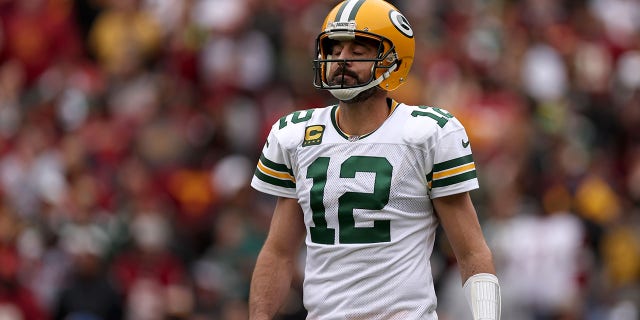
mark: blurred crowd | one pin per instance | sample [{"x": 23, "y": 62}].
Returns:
[{"x": 130, "y": 129}]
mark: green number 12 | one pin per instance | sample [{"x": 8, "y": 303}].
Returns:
[{"x": 347, "y": 202}]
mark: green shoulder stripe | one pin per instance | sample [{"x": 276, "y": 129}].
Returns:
[
  {"x": 453, "y": 163},
  {"x": 454, "y": 179},
  {"x": 274, "y": 166}
]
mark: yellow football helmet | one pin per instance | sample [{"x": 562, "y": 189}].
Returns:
[{"x": 371, "y": 19}]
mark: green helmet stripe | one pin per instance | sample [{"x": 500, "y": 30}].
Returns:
[
  {"x": 340, "y": 11},
  {"x": 348, "y": 10},
  {"x": 355, "y": 9}
]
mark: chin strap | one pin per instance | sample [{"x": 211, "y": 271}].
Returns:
[
  {"x": 346, "y": 94},
  {"x": 482, "y": 291}
]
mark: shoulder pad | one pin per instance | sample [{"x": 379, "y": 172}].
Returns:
[
  {"x": 289, "y": 129},
  {"x": 425, "y": 123}
]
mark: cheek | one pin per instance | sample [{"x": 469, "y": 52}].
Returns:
[
  {"x": 332, "y": 66},
  {"x": 364, "y": 71}
]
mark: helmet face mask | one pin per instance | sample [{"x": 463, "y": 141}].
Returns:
[
  {"x": 372, "y": 21},
  {"x": 381, "y": 63}
]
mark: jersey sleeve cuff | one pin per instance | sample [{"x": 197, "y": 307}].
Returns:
[{"x": 273, "y": 190}]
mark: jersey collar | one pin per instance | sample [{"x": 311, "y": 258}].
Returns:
[{"x": 352, "y": 138}]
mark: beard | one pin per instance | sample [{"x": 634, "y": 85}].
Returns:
[{"x": 338, "y": 79}]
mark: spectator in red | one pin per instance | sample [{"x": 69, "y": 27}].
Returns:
[
  {"x": 153, "y": 279},
  {"x": 36, "y": 33},
  {"x": 16, "y": 301}
]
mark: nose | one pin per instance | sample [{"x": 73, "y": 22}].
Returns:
[{"x": 344, "y": 60}]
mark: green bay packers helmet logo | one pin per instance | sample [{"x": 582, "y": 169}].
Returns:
[
  {"x": 401, "y": 23},
  {"x": 313, "y": 135}
]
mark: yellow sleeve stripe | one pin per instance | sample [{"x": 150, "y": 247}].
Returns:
[
  {"x": 454, "y": 171},
  {"x": 275, "y": 174}
]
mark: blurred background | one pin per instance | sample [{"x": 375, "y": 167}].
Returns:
[{"x": 130, "y": 129}]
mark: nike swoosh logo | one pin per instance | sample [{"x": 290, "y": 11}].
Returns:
[{"x": 465, "y": 144}]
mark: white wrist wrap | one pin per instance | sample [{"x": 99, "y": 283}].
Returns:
[{"x": 483, "y": 295}]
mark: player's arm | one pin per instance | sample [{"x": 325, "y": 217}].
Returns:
[
  {"x": 460, "y": 222},
  {"x": 276, "y": 262}
]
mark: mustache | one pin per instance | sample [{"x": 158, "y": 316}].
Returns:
[{"x": 342, "y": 71}]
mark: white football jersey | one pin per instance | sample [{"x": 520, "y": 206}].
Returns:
[{"x": 367, "y": 205}]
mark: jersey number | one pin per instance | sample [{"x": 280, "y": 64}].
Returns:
[
  {"x": 347, "y": 202},
  {"x": 440, "y": 116}
]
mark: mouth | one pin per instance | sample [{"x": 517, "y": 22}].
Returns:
[{"x": 345, "y": 77}]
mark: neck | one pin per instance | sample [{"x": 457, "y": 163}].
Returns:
[{"x": 363, "y": 117}]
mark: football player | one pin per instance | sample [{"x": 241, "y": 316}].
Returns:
[{"x": 365, "y": 183}]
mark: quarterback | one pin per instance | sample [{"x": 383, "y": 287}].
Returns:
[{"x": 365, "y": 183}]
